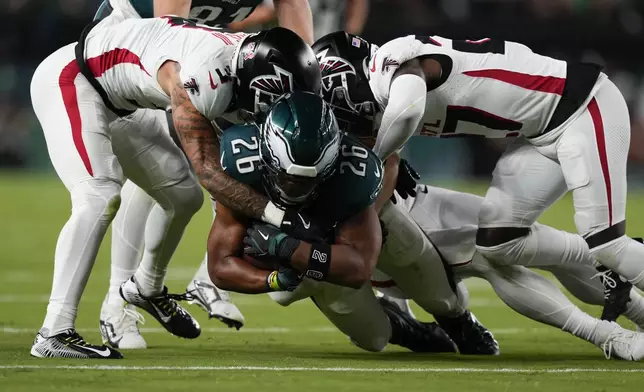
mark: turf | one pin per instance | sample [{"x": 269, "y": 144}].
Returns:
[{"x": 283, "y": 349}]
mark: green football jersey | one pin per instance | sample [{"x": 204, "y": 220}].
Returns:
[
  {"x": 208, "y": 12},
  {"x": 353, "y": 187}
]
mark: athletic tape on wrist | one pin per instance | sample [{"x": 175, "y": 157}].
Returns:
[
  {"x": 273, "y": 215},
  {"x": 319, "y": 261}
]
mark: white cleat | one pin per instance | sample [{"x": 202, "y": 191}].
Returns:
[
  {"x": 217, "y": 303},
  {"x": 624, "y": 344},
  {"x": 119, "y": 325}
]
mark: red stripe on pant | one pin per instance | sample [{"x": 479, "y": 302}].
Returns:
[
  {"x": 600, "y": 137},
  {"x": 70, "y": 99}
]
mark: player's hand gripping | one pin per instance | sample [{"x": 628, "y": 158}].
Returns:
[
  {"x": 263, "y": 239},
  {"x": 406, "y": 184}
]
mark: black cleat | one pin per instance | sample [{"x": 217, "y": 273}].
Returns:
[
  {"x": 471, "y": 337},
  {"x": 69, "y": 344},
  {"x": 417, "y": 336},
  {"x": 174, "y": 318},
  {"x": 617, "y": 293}
]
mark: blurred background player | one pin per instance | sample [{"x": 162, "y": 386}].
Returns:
[{"x": 118, "y": 321}]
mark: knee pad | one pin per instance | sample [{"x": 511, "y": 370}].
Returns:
[
  {"x": 98, "y": 197},
  {"x": 184, "y": 198}
]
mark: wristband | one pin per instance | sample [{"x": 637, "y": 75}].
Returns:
[
  {"x": 319, "y": 261},
  {"x": 273, "y": 215},
  {"x": 272, "y": 283}
]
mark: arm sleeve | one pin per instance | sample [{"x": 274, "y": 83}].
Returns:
[
  {"x": 207, "y": 84},
  {"x": 404, "y": 111}
]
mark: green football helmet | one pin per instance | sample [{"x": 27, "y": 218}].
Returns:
[{"x": 299, "y": 147}]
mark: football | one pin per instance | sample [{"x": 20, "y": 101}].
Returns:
[{"x": 267, "y": 263}]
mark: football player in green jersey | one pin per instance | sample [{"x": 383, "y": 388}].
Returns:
[{"x": 298, "y": 157}]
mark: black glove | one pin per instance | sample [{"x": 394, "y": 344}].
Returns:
[
  {"x": 406, "y": 184},
  {"x": 300, "y": 226},
  {"x": 284, "y": 279},
  {"x": 263, "y": 239}
]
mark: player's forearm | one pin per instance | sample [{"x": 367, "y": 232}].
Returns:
[
  {"x": 407, "y": 97},
  {"x": 201, "y": 145},
  {"x": 234, "y": 274},
  {"x": 356, "y": 16},
  {"x": 261, "y": 15},
  {"x": 346, "y": 265},
  {"x": 172, "y": 7},
  {"x": 296, "y": 15}
]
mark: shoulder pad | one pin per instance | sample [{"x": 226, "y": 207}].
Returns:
[
  {"x": 386, "y": 61},
  {"x": 208, "y": 84},
  {"x": 356, "y": 182}
]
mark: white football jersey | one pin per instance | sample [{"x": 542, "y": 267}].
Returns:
[
  {"x": 489, "y": 87},
  {"x": 125, "y": 58}
]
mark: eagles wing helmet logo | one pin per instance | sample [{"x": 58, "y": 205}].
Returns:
[
  {"x": 332, "y": 66},
  {"x": 191, "y": 86}
]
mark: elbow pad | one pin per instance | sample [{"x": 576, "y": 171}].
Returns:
[{"x": 405, "y": 109}]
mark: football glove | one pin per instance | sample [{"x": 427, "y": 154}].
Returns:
[
  {"x": 284, "y": 279},
  {"x": 406, "y": 184},
  {"x": 263, "y": 239},
  {"x": 298, "y": 225}
]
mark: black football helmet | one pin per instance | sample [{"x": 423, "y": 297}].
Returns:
[
  {"x": 343, "y": 59},
  {"x": 272, "y": 63}
]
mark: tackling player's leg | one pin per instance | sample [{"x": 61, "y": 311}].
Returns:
[
  {"x": 418, "y": 268},
  {"x": 81, "y": 153},
  {"x": 593, "y": 152},
  {"x": 152, "y": 160}
]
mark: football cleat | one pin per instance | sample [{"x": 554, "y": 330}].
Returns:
[
  {"x": 403, "y": 304},
  {"x": 217, "y": 303},
  {"x": 415, "y": 335},
  {"x": 617, "y": 293},
  {"x": 69, "y": 344},
  {"x": 119, "y": 325},
  {"x": 174, "y": 318},
  {"x": 471, "y": 337},
  {"x": 624, "y": 344}
]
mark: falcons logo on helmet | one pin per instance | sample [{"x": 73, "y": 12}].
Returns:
[
  {"x": 274, "y": 85},
  {"x": 332, "y": 66}
]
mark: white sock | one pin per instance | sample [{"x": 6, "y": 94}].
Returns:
[
  {"x": 528, "y": 293},
  {"x": 128, "y": 237},
  {"x": 588, "y": 328},
  {"x": 77, "y": 248},
  {"x": 163, "y": 230},
  {"x": 635, "y": 309},
  {"x": 202, "y": 271}
]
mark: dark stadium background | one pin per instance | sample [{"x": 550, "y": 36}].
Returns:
[{"x": 610, "y": 32}]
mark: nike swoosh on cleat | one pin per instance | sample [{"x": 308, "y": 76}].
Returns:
[
  {"x": 305, "y": 223},
  {"x": 104, "y": 353},
  {"x": 165, "y": 319}
]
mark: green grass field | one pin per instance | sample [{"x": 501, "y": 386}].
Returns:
[{"x": 279, "y": 349}]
